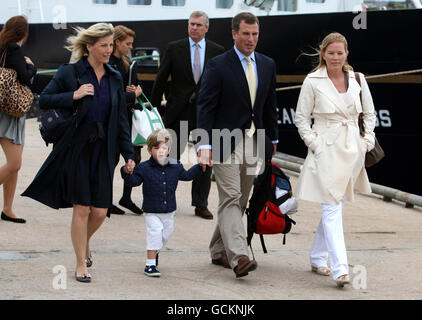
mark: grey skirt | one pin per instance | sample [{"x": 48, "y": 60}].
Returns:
[{"x": 12, "y": 128}]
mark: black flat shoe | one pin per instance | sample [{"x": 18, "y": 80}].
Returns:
[
  {"x": 116, "y": 210},
  {"x": 86, "y": 277},
  {"x": 128, "y": 204},
  {"x": 15, "y": 220}
]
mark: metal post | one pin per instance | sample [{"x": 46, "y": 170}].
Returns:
[{"x": 130, "y": 72}]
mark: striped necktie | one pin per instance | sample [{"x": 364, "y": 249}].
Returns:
[
  {"x": 250, "y": 77},
  {"x": 196, "y": 64}
]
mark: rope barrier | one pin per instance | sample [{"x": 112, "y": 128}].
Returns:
[{"x": 393, "y": 74}]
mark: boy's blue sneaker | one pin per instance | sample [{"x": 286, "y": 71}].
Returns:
[{"x": 151, "y": 271}]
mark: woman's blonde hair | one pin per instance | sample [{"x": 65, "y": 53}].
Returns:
[
  {"x": 121, "y": 33},
  {"x": 319, "y": 53},
  {"x": 329, "y": 39},
  {"x": 77, "y": 44}
]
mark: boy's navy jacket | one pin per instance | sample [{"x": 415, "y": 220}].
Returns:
[{"x": 160, "y": 183}]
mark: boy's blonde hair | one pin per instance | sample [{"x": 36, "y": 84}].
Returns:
[{"x": 158, "y": 136}]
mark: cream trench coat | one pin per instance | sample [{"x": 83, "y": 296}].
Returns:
[{"x": 334, "y": 167}]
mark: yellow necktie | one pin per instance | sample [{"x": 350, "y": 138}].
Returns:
[{"x": 250, "y": 77}]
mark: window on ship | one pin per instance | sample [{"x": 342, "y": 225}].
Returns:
[
  {"x": 173, "y": 3},
  {"x": 139, "y": 2},
  {"x": 105, "y": 1},
  {"x": 316, "y": 1},
  {"x": 224, "y": 4},
  {"x": 287, "y": 5}
]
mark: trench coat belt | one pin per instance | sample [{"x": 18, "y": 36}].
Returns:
[{"x": 336, "y": 125}]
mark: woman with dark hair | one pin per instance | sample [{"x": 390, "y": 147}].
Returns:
[
  {"x": 12, "y": 129},
  {"x": 123, "y": 40}
]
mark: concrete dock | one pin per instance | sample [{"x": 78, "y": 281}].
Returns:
[{"x": 384, "y": 243}]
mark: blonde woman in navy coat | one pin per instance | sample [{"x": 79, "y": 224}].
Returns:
[{"x": 79, "y": 171}]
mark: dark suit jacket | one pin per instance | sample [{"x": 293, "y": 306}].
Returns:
[
  {"x": 46, "y": 187},
  {"x": 117, "y": 64},
  {"x": 224, "y": 100},
  {"x": 177, "y": 63}
]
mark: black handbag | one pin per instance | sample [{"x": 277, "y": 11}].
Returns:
[
  {"x": 54, "y": 122},
  {"x": 377, "y": 153}
]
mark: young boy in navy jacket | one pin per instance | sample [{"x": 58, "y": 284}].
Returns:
[{"x": 160, "y": 176}]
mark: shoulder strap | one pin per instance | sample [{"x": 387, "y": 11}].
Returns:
[
  {"x": 264, "y": 248},
  {"x": 360, "y": 118},
  {"x": 3, "y": 57},
  {"x": 357, "y": 76}
]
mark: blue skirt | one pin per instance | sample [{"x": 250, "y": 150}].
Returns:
[
  {"x": 85, "y": 176},
  {"x": 12, "y": 128}
]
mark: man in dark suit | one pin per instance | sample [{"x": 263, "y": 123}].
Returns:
[
  {"x": 237, "y": 95},
  {"x": 185, "y": 60}
]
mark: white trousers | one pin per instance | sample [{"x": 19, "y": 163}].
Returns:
[
  {"x": 329, "y": 241},
  {"x": 159, "y": 228}
]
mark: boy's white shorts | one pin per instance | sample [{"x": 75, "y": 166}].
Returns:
[{"x": 159, "y": 228}]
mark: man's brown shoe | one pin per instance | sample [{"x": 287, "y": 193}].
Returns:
[
  {"x": 222, "y": 261},
  {"x": 244, "y": 266},
  {"x": 203, "y": 213}
]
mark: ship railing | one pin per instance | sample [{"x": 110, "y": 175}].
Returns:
[
  {"x": 52, "y": 71},
  {"x": 295, "y": 164}
]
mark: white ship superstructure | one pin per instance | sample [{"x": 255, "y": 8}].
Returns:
[{"x": 67, "y": 11}]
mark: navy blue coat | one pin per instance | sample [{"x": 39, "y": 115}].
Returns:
[
  {"x": 224, "y": 101},
  {"x": 59, "y": 94},
  {"x": 160, "y": 183}
]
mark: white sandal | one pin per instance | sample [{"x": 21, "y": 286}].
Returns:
[
  {"x": 342, "y": 280},
  {"x": 323, "y": 271}
]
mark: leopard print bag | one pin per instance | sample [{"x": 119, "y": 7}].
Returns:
[{"x": 15, "y": 98}]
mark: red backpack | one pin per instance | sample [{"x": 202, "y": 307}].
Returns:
[{"x": 264, "y": 215}]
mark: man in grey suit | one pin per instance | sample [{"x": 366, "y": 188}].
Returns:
[
  {"x": 185, "y": 60},
  {"x": 237, "y": 97}
]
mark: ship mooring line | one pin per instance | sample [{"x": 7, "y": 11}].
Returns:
[{"x": 376, "y": 76}]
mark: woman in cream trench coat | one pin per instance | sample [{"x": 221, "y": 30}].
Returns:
[{"x": 334, "y": 167}]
